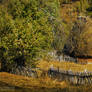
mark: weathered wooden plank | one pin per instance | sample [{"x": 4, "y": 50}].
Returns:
[{"x": 73, "y": 77}]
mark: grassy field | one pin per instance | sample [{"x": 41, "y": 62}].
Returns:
[
  {"x": 45, "y": 65},
  {"x": 15, "y": 83},
  {"x": 28, "y": 82},
  {"x": 44, "y": 84}
]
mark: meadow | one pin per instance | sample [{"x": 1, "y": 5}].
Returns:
[
  {"x": 75, "y": 67},
  {"x": 17, "y": 83}
]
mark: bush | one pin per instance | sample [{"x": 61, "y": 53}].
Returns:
[{"x": 26, "y": 30}]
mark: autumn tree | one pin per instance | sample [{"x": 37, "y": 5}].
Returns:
[
  {"x": 26, "y": 29},
  {"x": 80, "y": 41}
]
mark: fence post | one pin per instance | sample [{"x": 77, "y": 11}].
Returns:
[{"x": 58, "y": 69}]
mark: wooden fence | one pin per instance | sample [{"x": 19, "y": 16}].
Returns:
[{"x": 72, "y": 77}]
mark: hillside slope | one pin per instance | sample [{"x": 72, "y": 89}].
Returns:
[{"x": 79, "y": 43}]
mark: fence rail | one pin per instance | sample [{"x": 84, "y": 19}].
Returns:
[{"x": 72, "y": 77}]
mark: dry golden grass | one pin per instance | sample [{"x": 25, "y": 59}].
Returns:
[
  {"x": 28, "y": 82},
  {"x": 43, "y": 85},
  {"x": 43, "y": 82},
  {"x": 45, "y": 65},
  {"x": 46, "y": 82}
]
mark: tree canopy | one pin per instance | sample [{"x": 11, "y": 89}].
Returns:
[
  {"x": 26, "y": 29},
  {"x": 30, "y": 29}
]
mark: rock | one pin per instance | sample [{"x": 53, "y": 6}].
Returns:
[{"x": 25, "y": 71}]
